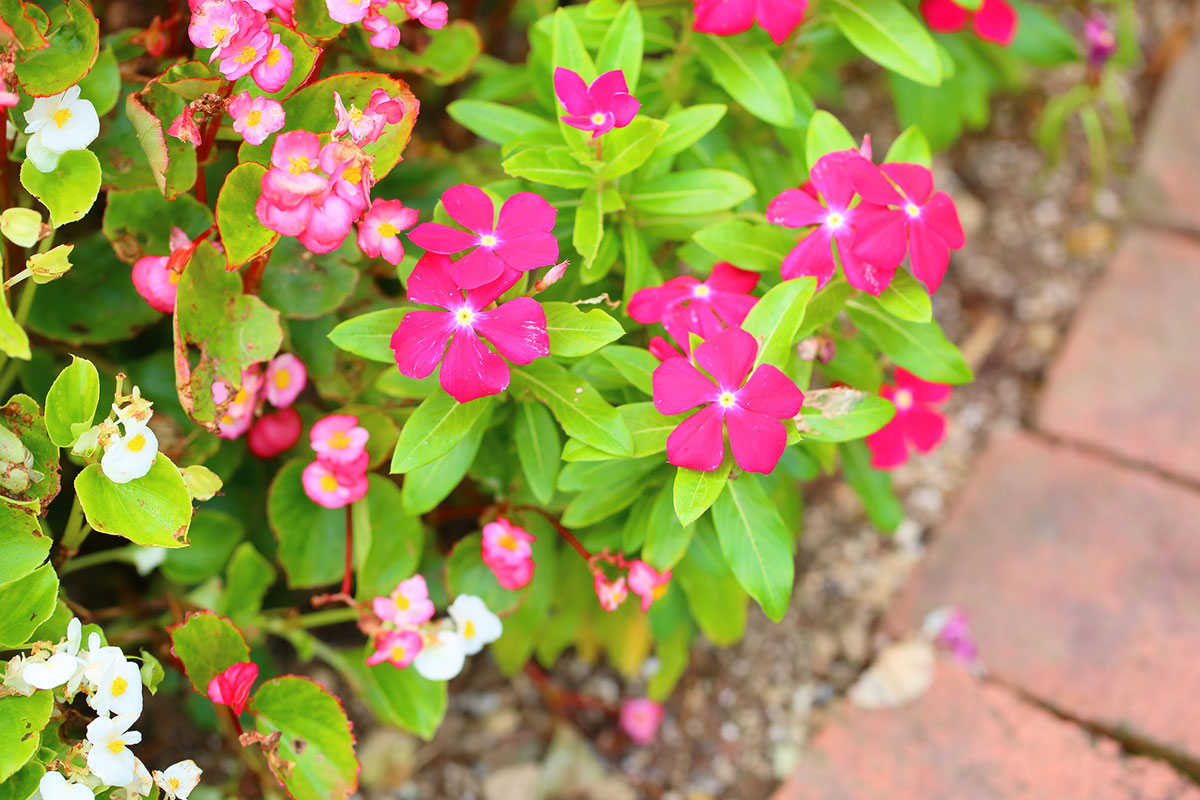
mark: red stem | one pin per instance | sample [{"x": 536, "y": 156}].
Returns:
[
  {"x": 206, "y": 144},
  {"x": 349, "y": 550},
  {"x": 566, "y": 534},
  {"x": 237, "y": 723},
  {"x": 561, "y": 697}
]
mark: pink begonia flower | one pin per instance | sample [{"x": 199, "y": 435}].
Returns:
[
  {"x": 379, "y": 230},
  {"x": 184, "y": 127},
  {"x": 647, "y": 582},
  {"x": 390, "y": 108},
  {"x": 286, "y": 378},
  {"x": 338, "y": 439},
  {"x": 255, "y": 118},
  {"x": 908, "y": 215},
  {"x": 506, "y": 551},
  {"x": 364, "y": 127},
  {"x": 723, "y": 298},
  {"x": 836, "y": 222},
  {"x": 8, "y": 99},
  {"x": 156, "y": 278},
  {"x": 995, "y": 21},
  {"x": 384, "y": 34},
  {"x": 600, "y": 107},
  {"x": 750, "y": 409},
  {"x": 516, "y": 329},
  {"x": 275, "y": 432},
  {"x": 432, "y": 15},
  {"x": 521, "y": 240},
  {"x": 215, "y": 22},
  {"x": 272, "y": 73},
  {"x": 297, "y": 200},
  {"x": 408, "y": 604},
  {"x": 348, "y": 11},
  {"x": 240, "y": 411},
  {"x": 398, "y": 648},
  {"x": 244, "y": 50},
  {"x": 333, "y": 487},
  {"x": 610, "y": 593},
  {"x": 728, "y": 17},
  {"x": 232, "y": 687},
  {"x": 917, "y": 422},
  {"x": 640, "y": 718}
]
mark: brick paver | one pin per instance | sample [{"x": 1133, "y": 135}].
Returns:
[
  {"x": 964, "y": 740},
  {"x": 1167, "y": 190},
  {"x": 1128, "y": 379},
  {"x": 1082, "y": 581}
]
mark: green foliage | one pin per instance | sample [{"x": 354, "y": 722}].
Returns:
[{"x": 207, "y": 644}]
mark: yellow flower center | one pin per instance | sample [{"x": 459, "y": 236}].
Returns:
[
  {"x": 227, "y": 420},
  {"x": 253, "y": 118},
  {"x": 701, "y": 291},
  {"x": 247, "y": 55},
  {"x": 355, "y": 114},
  {"x": 903, "y": 399},
  {"x": 912, "y": 210},
  {"x": 173, "y": 783},
  {"x": 388, "y": 229},
  {"x": 273, "y": 57},
  {"x": 282, "y": 379},
  {"x": 352, "y": 174},
  {"x": 469, "y": 630},
  {"x": 398, "y": 653},
  {"x": 658, "y": 591},
  {"x": 598, "y": 118},
  {"x": 508, "y": 542},
  {"x": 134, "y": 445},
  {"x": 727, "y": 399},
  {"x": 116, "y": 747},
  {"x": 173, "y": 277},
  {"x": 328, "y": 483},
  {"x": 464, "y": 316},
  {"x": 339, "y": 440},
  {"x": 61, "y": 116},
  {"x": 219, "y": 33},
  {"x": 119, "y": 685},
  {"x": 488, "y": 241},
  {"x": 299, "y": 166},
  {"x": 403, "y": 603},
  {"x": 240, "y": 397}
]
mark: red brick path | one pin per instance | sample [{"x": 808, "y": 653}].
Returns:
[{"x": 1074, "y": 549}]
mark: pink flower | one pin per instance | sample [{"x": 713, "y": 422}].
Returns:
[
  {"x": 956, "y": 635},
  {"x": 184, "y": 127},
  {"x": 286, "y": 377},
  {"x": 995, "y": 21},
  {"x": 239, "y": 412},
  {"x": 836, "y": 222},
  {"x": 408, "y": 604},
  {"x": 398, "y": 648},
  {"x": 916, "y": 423},
  {"x": 1100, "y": 37},
  {"x": 600, "y": 107},
  {"x": 507, "y": 553},
  {"x": 640, "y": 719},
  {"x": 728, "y": 17},
  {"x": 297, "y": 200},
  {"x": 907, "y": 215},
  {"x": 364, "y": 127},
  {"x": 610, "y": 593},
  {"x": 516, "y": 329},
  {"x": 723, "y": 298},
  {"x": 215, "y": 22},
  {"x": 331, "y": 487},
  {"x": 551, "y": 277},
  {"x": 156, "y": 278},
  {"x": 379, "y": 230},
  {"x": 293, "y": 176},
  {"x": 522, "y": 240},
  {"x": 338, "y": 439},
  {"x": 272, "y": 73},
  {"x": 242, "y": 52},
  {"x": 275, "y": 433},
  {"x": 384, "y": 35},
  {"x": 348, "y": 11},
  {"x": 430, "y": 14},
  {"x": 647, "y": 583},
  {"x": 8, "y": 99},
  {"x": 390, "y": 108},
  {"x": 232, "y": 687},
  {"x": 255, "y": 118},
  {"x": 750, "y": 410}
]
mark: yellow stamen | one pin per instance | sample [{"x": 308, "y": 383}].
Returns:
[
  {"x": 173, "y": 277},
  {"x": 273, "y": 57},
  {"x": 658, "y": 591},
  {"x": 398, "y": 653},
  {"x": 135, "y": 445},
  {"x": 61, "y": 116},
  {"x": 240, "y": 397},
  {"x": 487, "y": 241},
  {"x": 247, "y": 55},
  {"x": 119, "y": 685},
  {"x": 219, "y": 33},
  {"x": 352, "y": 174},
  {"x": 508, "y": 542},
  {"x": 328, "y": 483},
  {"x": 339, "y": 440},
  {"x": 282, "y": 379},
  {"x": 355, "y": 114},
  {"x": 253, "y": 118},
  {"x": 116, "y": 747},
  {"x": 387, "y": 229},
  {"x": 469, "y": 630},
  {"x": 403, "y": 603},
  {"x": 299, "y": 166},
  {"x": 173, "y": 783}
]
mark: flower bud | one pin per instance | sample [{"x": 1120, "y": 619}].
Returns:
[
  {"x": 51, "y": 265},
  {"x": 21, "y": 226},
  {"x": 201, "y": 482},
  {"x": 275, "y": 433},
  {"x": 551, "y": 277},
  {"x": 16, "y": 465}
]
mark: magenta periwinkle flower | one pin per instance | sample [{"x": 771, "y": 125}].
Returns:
[
  {"x": 917, "y": 424},
  {"x": 379, "y": 230},
  {"x": 995, "y": 21},
  {"x": 515, "y": 329},
  {"x": 521, "y": 239},
  {"x": 747, "y": 402},
  {"x": 722, "y": 300},
  {"x": 728, "y": 17},
  {"x": 599, "y": 107},
  {"x": 255, "y": 118}
]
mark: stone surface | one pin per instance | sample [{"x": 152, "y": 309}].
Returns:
[
  {"x": 1080, "y": 580},
  {"x": 1128, "y": 379},
  {"x": 964, "y": 740},
  {"x": 1166, "y": 190}
]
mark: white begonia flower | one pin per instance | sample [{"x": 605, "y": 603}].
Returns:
[
  {"x": 142, "y": 784},
  {"x": 110, "y": 758},
  {"x": 178, "y": 780},
  {"x": 97, "y": 660},
  {"x": 14, "y": 677},
  {"x": 476, "y": 624},
  {"x": 119, "y": 691},
  {"x": 51, "y": 673},
  {"x": 147, "y": 559},
  {"x": 57, "y": 124},
  {"x": 442, "y": 657},
  {"x": 54, "y": 786},
  {"x": 129, "y": 457}
]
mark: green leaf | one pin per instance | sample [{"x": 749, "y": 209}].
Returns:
[
  {"x": 750, "y": 75},
  {"x": 635, "y": 364},
  {"x": 626, "y": 149},
  {"x": 13, "y": 339},
  {"x": 207, "y": 644},
  {"x": 746, "y": 245},
  {"x": 23, "y": 546},
  {"x": 21, "y": 722},
  {"x": 687, "y": 126},
  {"x": 71, "y": 402},
  {"x": 756, "y": 544},
  {"x": 401, "y": 697},
  {"x": 910, "y": 147},
  {"x": 427, "y": 486},
  {"x": 211, "y": 540},
  {"x": 172, "y": 162},
  {"x": 22, "y": 416},
  {"x": 907, "y": 299},
  {"x": 304, "y": 285},
  {"x": 552, "y": 165},
  {"x": 826, "y": 134},
  {"x": 921, "y": 348},
  {"x": 154, "y": 510},
  {"x": 437, "y": 425},
  {"x": 569, "y": 51},
  {"x": 649, "y": 427},
  {"x": 496, "y": 123},
  {"x": 699, "y": 191},
  {"x": 539, "y": 449},
  {"x": 446, "y": 55},
  {"x": 575, "y": 333},
  {"x": 825, "y": 306},
  {"x": 24, "y": 782},
  {"x": 27, "y": 21},
  {"x": 874, "y": 487},
  {"x": 102, "y": 84},
  {"x": 370, "y": 335},
  {"x": 139, "y": 222},
  {"x": 589, "y": 226},
  {"x": 622, "y": 45},
  {"x": 25, "y": 604},
  {"x": 74, "y": 45},
  {"x": 247, "y": 580},
  {"x": 715, "y": 598},
  {"x": 577, "y": 406},
  {"x": 1041, "y": 39},
  {"x": 695, "y": 491},
  {"x": 666, "y": 538},
  {"x": 315, "y": 737},
  {"x": 243, "y": 236},
  {"x": 599, "y": 503},
  {"x": 70, "y": 190},
  {"x": 842, "y": 414},
  {"x": 776, "y": 318},
  {"x": 888, "y": 34}
]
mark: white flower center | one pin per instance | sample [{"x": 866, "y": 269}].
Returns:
[
  {"x": 727, "y": 399},
  {"x": 701, "y": 291},
  {"x": 903, "y": 399},
  {"x": 835, "y": 219},
  {"x": 488, "y": 241},
  {"x": 912, "y": 210},
  {"x": 597, "y": 118},
  {"x": 464, "y": 316}
]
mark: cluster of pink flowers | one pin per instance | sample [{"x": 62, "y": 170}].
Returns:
[
  {"x": 728, "y": 17},
  {"x": 599, "y": 107},
  {"x": 242, "y": 40},
  {"x": 685, "y": 305},
  {"x": 338, "y": 477},
  {"x": 917, "y": 424},
  {"x": 273, "y": 432},
  {"x": 156, "y": 278},
  {"x": 507, "y": 553},
  {"x": 640, "y": 578},
  {"x": 994, "y": 21},
  {"x": 384, "y": 34}
]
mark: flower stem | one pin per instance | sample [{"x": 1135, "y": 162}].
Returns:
[
  {"x": 566, "y": 534},
  {"x": 76, "y": 531},
  {"x": 347, "y": 577},
  {"x": 206, "y": 144}
]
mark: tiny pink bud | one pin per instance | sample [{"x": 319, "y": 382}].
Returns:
[
  {"x": 232, "y": 687},
  {"x": 275, "y": 433}
]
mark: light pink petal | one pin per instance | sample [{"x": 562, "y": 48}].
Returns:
[
  {"x": 944, "y": 16},
  {"x": 679, "y": 386},
  {"x": 928, "y": 255},
  {"x": 517, "y": 329},
  {"x": 724, "y": 17},
  {"x": 922, "y": 390},
  {"x": 697, "y": 443},
  {"x": 438, "y": 238},
  {"x": 732, "y": 308},
  {"x": 606, "y": 87},
  {"x": 941, "y": 215},
  {"x": 880, "y": 234},
  {"x": 780, "y": 17},
  {"x": 924, "y": 427},
  {"x": 524, "y": 214},
  {"x": 996, "y": 21},
  {"x": 887, "y": 446},
  {"x": 770, "y": 392},
  {"x": 470, "y": 207},
  {"x": 648, "y": 305},
  {"x": 430, "y": 282},
  {"x": 529, "y": 252},
  {"x": 419, "y": 341},
  {"x": 757, "y": 440},
  {"x": 470, "y": 370},
  {"x": 728, "y": 357},
  {"x": 725, "y": 277},
  {"x": 572, "y": 92},
  {"x": 812, "y": 256},
  {"x": 477, "y": 268},
  {"x": 914, "y": 180},
  {"x": 624, "y": 108},
  {"x": 796, "y": 208},
  {"x": 862, "y": 274}
]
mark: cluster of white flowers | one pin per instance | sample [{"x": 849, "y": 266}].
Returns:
[
  {"x": 129, "y": 444},
  {"x": 113, "y": 685}
]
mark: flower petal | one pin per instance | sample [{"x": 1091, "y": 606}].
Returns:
[
  {"x": 757, "y": 440},
  {"x": 796, "y": 208},
  {"x": 479, "y": 267},
  {"x": 887, "y": 446},
  {"x": 732, "y": 308},
  {"x": 942, "y": 216},
  {"x": 924, "y": 427},
  {"x": 862, "y": 274},
  {"x": 607, "y": 86},
  {"x": 679, "y": 386},
  {"x": 914, "y": 180},
  {"x": 470, "y": 370},
  {"x": 944, "y": 16},
  {"x": 572, "y": 92},
  {"x": 419, "y": 340},
  {"x": 438, "y": 238},
  {"x": 430, "y": 282},
  {"x": 517, "y": 329},
  {"x": 770, "y": 392},
  {"x": 697, "y": 443},
  {"x": 728, "y": 357},
  {"x": 871, "y": 183},
  {"x": 996, "y": 21},
  {"x": 529, "y": 252},
  {"x": 922, "y": 390},
  {"x": 523, "y": 214},
  {"x": 725, "y": 277},
  {"x": 724, "y": 17},
  {"x": 470, "y": 207},
  {"x": 648, "y": 305},
  {"x": 813, "y": 255},
  {"x": 928, "y": 255},
  {"x": 780, "y": 17},
  {"x": 880, "y": 234},
  {"x": 624, "y": 109}
]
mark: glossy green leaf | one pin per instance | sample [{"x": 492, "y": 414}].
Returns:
[
  {"x": 714, "y": 597},
  {"x": 428, "y": 485},
  {"x": 906, "y": 299},
  {"x": 74, "y": 43},
  {"x": 25, "y": 604},
  {"x": 70, "y": 190},
  {"x": 23, "y": 546},
  {"x": 888, "y": 34},
  {"x": 776, "y": 318},
  {"x": 577, "y": 406},
  {"x": 14, "y": 341},
  {"x": 21, "y": 722},
  {"x": 154, "y": 510},
  {"x": 551, "y": 165},
  {"x": 921, "y": 348},
  {"x": 874, "y": 487},
  {"x": 666, "y": 538},
  {"x": 910, "y": 147},
  {"x": 539, "y": 448},
  {"x": 401, "y": 697},
  {"x": 589, "y": 226},
  {"x": 243, "y": 236},
  {"x": 442, "y": 56},
  {"x": 434, "y": 428},
  {"x": 826, "y": 134},
  {"x": 746, "y": 245},
  {"x": 842, "y": 414},
  {"x": 207, "y": 644},
  {"x": 211, "y": 540},
  {"x": 687, "y": 126},
  {"x": 247, "y": 579},
  {"x": 622, "y": 46},
  {"x": 494, "y": 122},
  {"x": 574, "y": 332},
  {"x": 626, "y": 149},
  {"x": 699, "y": 191},
  {"x": 304, "y": 285},
  {"x": 369, "y": 335},
  {"x": 22, "y": 416},
  {"x": 71, "y": 402},
  {"x": 1041, "y": 39},
  {"x": 387, "y": 544},
  {"x": 467, "y": 574},
  {"x": 695, "y": 491},
  {"x": 751, "y": 76},
  {"x": 756, "y": 544},
  {"x": 635, "y": 364}
]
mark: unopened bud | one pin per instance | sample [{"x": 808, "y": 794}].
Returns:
[
  {"x": 551, "y": 277},
  {"x": 12, "y": 449},
  {"x": 51, "y": 265},
  {"x": 21, "y": 226},
  {"x": 201, "y": 482},
  {"x": 16, "y": 465}
]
